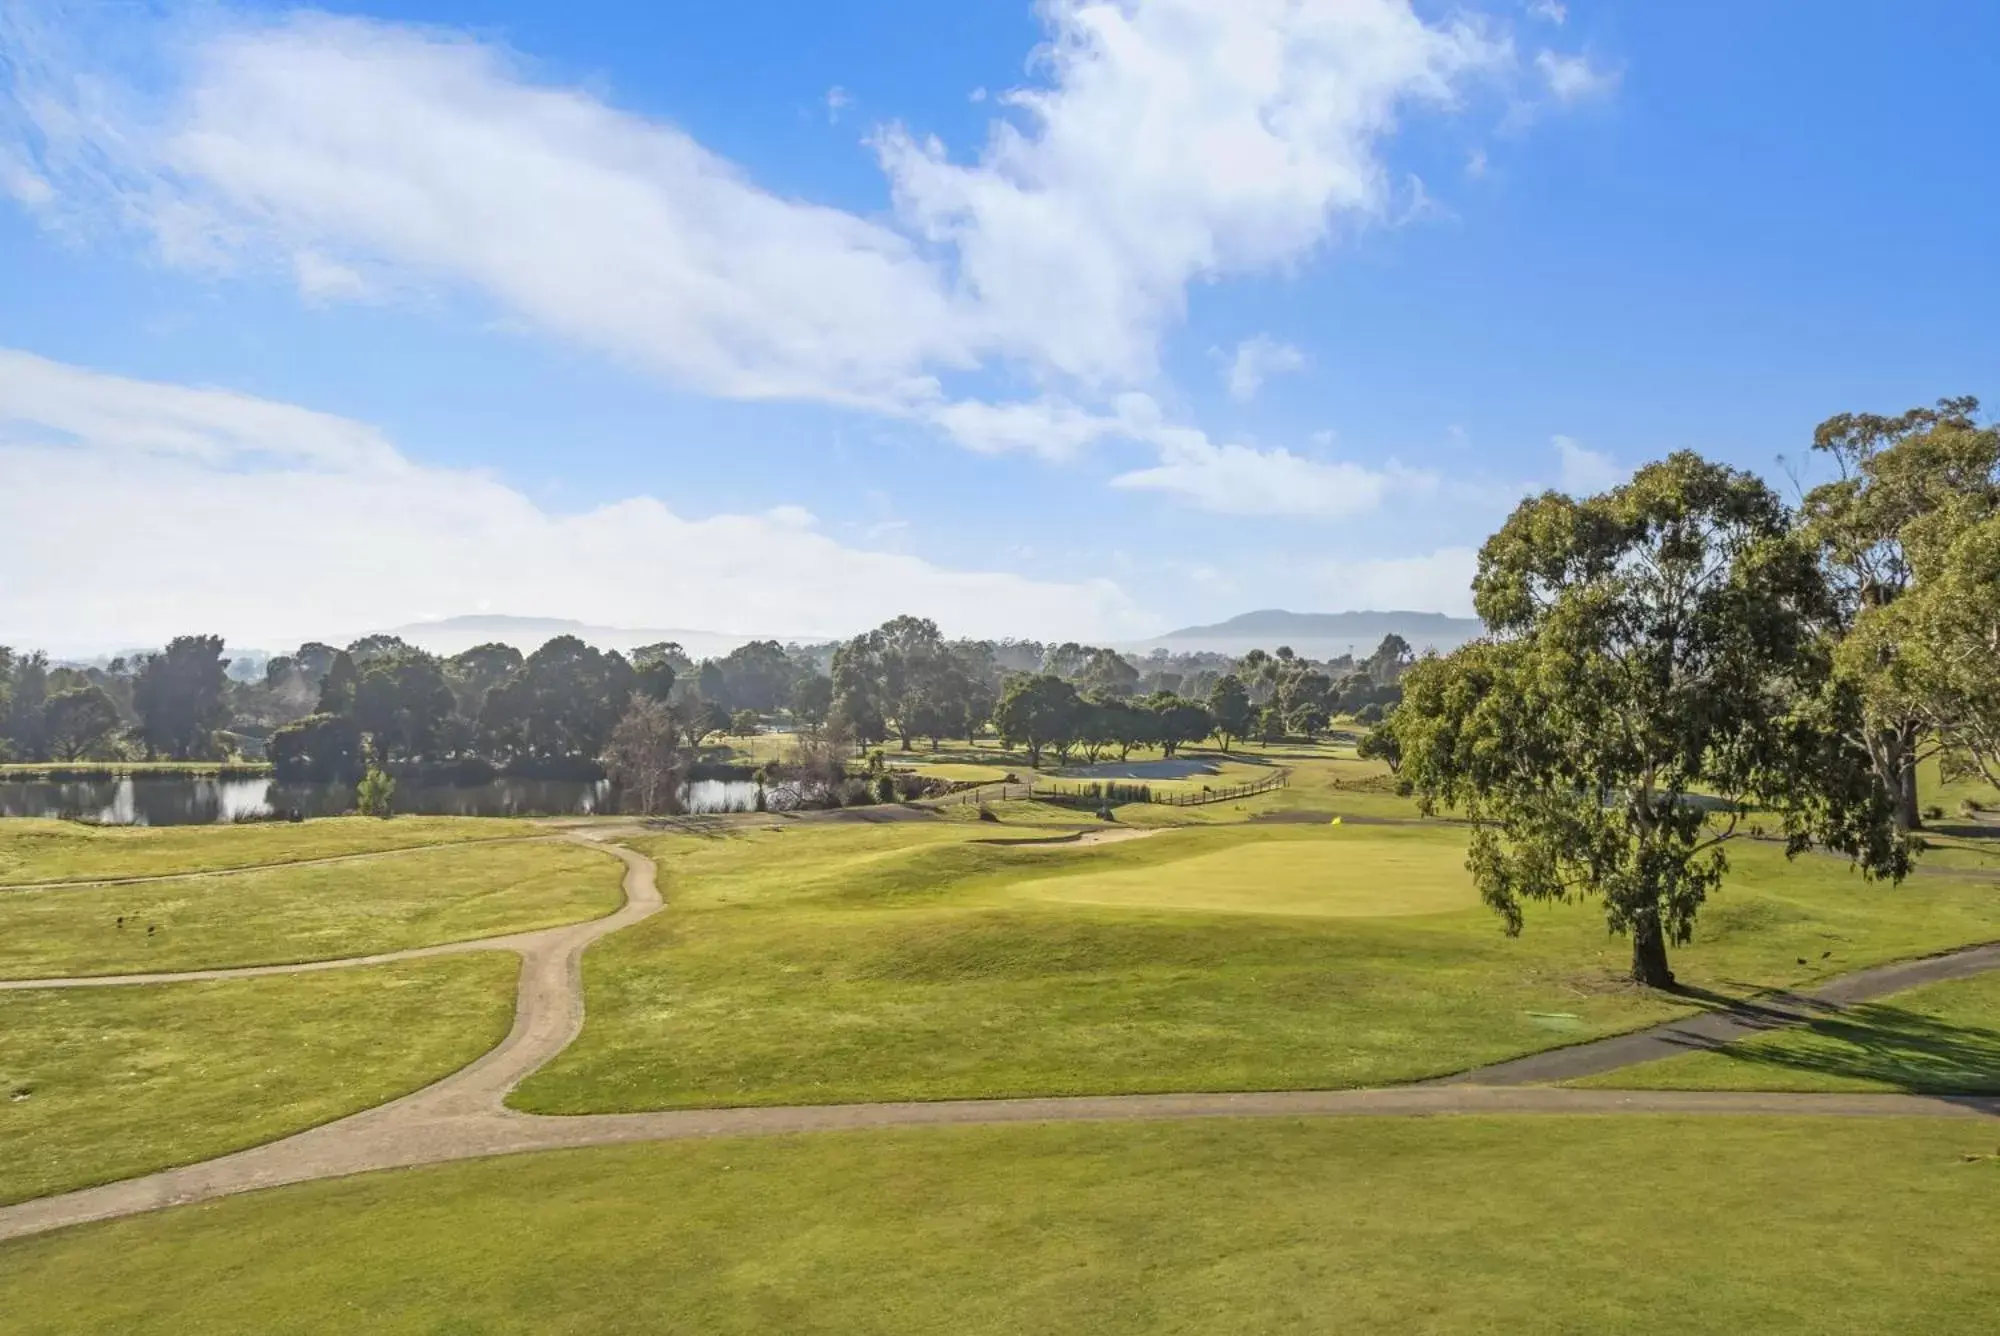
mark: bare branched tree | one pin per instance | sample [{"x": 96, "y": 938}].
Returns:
[{"x": 644, "y": 757}]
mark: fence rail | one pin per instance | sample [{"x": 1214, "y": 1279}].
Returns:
[
  {"x": 1104, "y": 793},
  {"x": 981, "y": 793},
  {"x": 1099, "y": 793}
]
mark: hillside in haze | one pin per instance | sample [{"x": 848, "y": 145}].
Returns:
[{"x": 1324, "y": 634}]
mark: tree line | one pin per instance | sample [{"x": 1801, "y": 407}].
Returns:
[
  {"x": 328, "y": 713},
  {"x": 1686, "y": 660}
]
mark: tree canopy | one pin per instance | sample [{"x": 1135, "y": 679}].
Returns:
[
  {"x": 1908, "y": 486},
  {"x": 1656, "y": 668},
  {"x": 181, "y": 697}
]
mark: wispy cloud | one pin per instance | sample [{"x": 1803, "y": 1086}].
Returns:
[
  {"x": 1573, "y": 78},
  {"x": 1257, "y": 360},
  {"x": 1234, "y": 479},
  {"x": 1584, "y": 472}
]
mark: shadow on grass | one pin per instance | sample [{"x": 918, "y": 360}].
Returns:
[{"x": 1869, "y": 1041}]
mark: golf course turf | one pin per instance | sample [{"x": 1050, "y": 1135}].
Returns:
[
  {"x": 1939, "y": 1039},
  {"x": 38, "y": 851},
  {"x": 418, "y": 897},
  {"x": 935, "y": 960},
  {"x": 1578, "y": 1225},
  {"x": 105, "y": 1083},
  {"x": 838, "y": 960}
]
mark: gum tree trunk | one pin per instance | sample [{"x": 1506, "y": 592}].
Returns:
[
  {"x": 1649, "y": 952},
  {"x": 1908, "y": 815}
]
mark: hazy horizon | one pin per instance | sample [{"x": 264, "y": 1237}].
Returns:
[{"x": 454, "y": 634}]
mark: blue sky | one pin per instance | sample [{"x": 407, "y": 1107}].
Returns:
[{"x": 1080, "y": 319}]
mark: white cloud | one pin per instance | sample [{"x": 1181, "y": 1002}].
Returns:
[
  {"x": 1440, "y": 581},
  {"x": 838, "y": 99},
  {"x": 270, "y": 523},
  {"x": 1172, "y": 140},
  {"x": 1235, "y": 479},
  {"x": 1549, "y": 11},
  {"x": 1162, "y": 143},
  {"x": 132, "y": 420},
  {"x": 23, "y": 182},
  {"x": 1584, "y": 472},
  {"x": 321, "y": 279},
  {"x": 1240, "y": 480},
  {"x": 1256, "y": 360},
  {"x": 1053, "y": 428},
  {"x": 1476, "y": 165},
  {"x": 375, "y": 147},
  {"x": 1572, "y": 78},
  {"x": 1169, "y": 140}
]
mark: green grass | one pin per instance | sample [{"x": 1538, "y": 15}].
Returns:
[
  {"x": 1933, "y": 788},
  {"x": 1939, "y": 1039},
  {"x": 104, "y": 1083},
  {"x": 924, "y": 960},
  {"x": 283, "y": 914},
  {"x": 1385, "y": 873},
  {"x": 1637, "y": 1225},
  {"x": 33, "y": 850},
  {"x": 956, "y": 772}
]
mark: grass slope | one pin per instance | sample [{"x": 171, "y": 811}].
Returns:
[
  {"x": 284, "y": 914},
  {"x": 926, "y": 961},
  {"x": 33, "y": 850},
  {"x": 104, "y": 1083},
  {"x": 1940, "y": 1039},
  {"x": 1638, "y": 1225}
]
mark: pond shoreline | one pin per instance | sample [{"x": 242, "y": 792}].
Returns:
[{"x": 183, "y": 799}]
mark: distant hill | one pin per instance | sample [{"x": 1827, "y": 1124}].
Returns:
[{"x": 1323, "y": 635}]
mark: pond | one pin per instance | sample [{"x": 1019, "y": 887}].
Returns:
[{"x": 177, "y": 800}]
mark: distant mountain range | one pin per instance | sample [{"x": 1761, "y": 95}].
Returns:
[{"x": 1324, "y": 634}]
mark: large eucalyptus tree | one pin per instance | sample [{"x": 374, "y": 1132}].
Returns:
[{"x": 1656, "y": 678}]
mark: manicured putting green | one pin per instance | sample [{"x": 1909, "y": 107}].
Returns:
[
  {"x": 104, "y": 1083},
  {"x": 1349, "y": 875},
  {"x": 36, "y": 851},
  {"x": 418, "y": 897},
  {"x": 1940, "y": 1039},
  {"x": 1636, "y": 1225}
]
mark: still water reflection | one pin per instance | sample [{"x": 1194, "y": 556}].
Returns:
[{"x": 180, "y": 801}]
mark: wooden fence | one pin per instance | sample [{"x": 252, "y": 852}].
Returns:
[
  {"x": 1110, "y": 793},
  {"x": 980, "y": 793},
  {"x": 1106, "y": 793}
]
